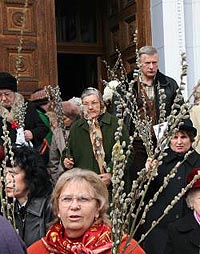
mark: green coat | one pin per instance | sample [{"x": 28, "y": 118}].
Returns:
[{"x": 80, "y": 146}]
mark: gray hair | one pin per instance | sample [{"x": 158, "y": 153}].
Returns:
[
  {"x": 90, "y": 91},
  {"x": 148, "y": 50},
  {"x": 190, "y": 198},
  {"x": 93, "y": 91}
]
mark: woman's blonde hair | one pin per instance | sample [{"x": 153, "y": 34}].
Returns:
[{"x": 98, "y": 187}]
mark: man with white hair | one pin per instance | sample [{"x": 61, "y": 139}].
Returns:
[{"x": 145, "y": 89}]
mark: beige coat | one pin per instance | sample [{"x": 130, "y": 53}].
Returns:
[
  {"x": 56, "y": 149},
  {"x": 195, "y": 117}
]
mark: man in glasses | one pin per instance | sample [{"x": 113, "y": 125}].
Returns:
[{"x": 18, "y": 116}]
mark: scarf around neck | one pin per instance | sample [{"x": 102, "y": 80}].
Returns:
[
  {"x": 97, "y": 143},
  {"x": 197, "y": 217},
  {"x": 95, "y": 240},
  {"x": 16, "y": 113}
]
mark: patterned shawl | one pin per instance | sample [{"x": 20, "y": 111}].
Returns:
[{"x": 96, "y": 240}]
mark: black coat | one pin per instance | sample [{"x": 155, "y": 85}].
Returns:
[
  {"x": 159, "y": 233},
  {"x": 183, "y": 236},
  {"x": 170, "y": 87},
  {"x": 32, "y": 220},
  {"x": 168, "y": 84},
  {"x": 32, "y": 122}
]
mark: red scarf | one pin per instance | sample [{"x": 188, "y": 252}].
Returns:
[{"x": 96, "y": 240}]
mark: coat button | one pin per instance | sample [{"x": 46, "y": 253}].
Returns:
[
  {"x": 179, "y": 177},
  {"x": 177, "y": 216}
]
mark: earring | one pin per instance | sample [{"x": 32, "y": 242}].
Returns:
[{"x": 96, "y": 218}]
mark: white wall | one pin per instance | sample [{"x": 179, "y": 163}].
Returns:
[{"x": 176, "y": 29}]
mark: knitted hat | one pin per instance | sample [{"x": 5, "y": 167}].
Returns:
[
  {"x": 70, "y": 109},
  {"x": 7, "y": 81},
  {"x": 188, "y": 126},
  {"x": 190, "y": 177},
  {"x": 39, "y": 97}
]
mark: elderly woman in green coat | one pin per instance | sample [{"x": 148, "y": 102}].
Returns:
[{"x": 92, "y": 138}]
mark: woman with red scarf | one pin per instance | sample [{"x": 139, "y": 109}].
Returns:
[{"x": 80, "y": 203}]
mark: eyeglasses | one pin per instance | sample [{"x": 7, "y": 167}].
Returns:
[
  {"x": 82, "y": 199},
  {"x": 92, "y": 104}
]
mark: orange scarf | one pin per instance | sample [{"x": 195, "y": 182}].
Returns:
[{"x": 96, "y": 240}]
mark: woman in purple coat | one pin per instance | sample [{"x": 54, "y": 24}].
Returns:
[{"x": 10, "y": 241}]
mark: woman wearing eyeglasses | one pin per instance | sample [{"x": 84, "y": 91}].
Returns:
[
  {"x": 91, "y": 138},
  {"x": 80, "y": 202}
]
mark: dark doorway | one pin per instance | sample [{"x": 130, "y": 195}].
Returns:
[{"x": 76, "y": 72}]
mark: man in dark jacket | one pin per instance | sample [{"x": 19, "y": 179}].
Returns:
[
  {"x": 146, "y": 91},
  {"x": 21, "y": 117}
]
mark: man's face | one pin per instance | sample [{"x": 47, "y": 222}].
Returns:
[
  {"x": 149, "y": 65},
  {"x": 7, "y": 97}
]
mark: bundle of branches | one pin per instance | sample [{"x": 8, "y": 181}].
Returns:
[{"x": 128, "y": 211}]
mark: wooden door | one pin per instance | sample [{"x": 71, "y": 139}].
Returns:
[
  {"x": 28, "y": 48},
  {"x": 34, "y": 44},
  {"x": 124, "y": 18}
]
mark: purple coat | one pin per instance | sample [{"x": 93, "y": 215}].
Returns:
[{"x": 10, "y": 242}]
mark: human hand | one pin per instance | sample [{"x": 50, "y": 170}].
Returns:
[
  {"x": 151, "y": 166},
  {"x": 28, "y": 135},
  {"x": 68, "y": 163},
  {"x": 106, "y": 178}
]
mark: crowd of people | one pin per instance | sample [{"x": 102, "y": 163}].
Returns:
[{"x": 58, "y": 178}]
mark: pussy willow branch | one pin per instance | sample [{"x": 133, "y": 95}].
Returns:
[
  {"x": 7, "y": 207},
  {"x": 125, "y": 208}
]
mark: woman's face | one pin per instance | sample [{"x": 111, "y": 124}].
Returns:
[
  {"x": 77, "y": 208},
  {"x": 15, "y": 183},
  {"x": 91, "y": 105},
  {"x": 7, "y": 97},
  {"x": 195, "y": 200},
  {"x": 180, "y": 142}
]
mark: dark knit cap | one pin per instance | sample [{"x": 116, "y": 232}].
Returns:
[
  {"x": 187, "y": 125},
  {"x": 7, "y": 81}
]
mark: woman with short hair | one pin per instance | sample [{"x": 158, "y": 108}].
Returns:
[{"x": 80, "y": 202}]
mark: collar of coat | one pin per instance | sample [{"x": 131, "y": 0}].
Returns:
[
  {"x": 189, "y": 224},
  {"x": 173, "y": 156}
]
